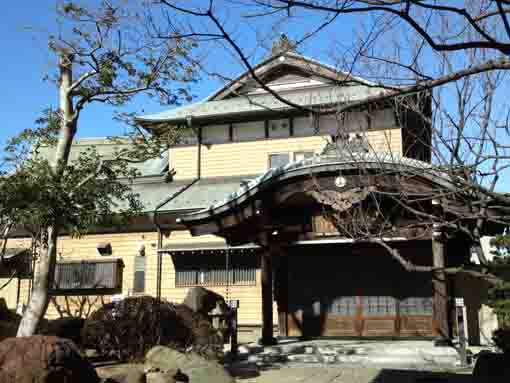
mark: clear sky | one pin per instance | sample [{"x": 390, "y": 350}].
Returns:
[{"x": 26, "y": 59}]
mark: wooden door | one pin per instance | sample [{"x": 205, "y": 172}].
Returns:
[{"x": 333, "y": 294}]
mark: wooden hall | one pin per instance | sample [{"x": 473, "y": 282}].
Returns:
[
  {"x": 326, "y": 283},
  {"x": 280, "y": 208}
]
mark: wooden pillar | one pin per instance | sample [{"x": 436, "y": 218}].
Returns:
[
  {"x": 440, "y": 283},
  {"x": 281, "y": 286},
  {"x": 267, "y": 299}
]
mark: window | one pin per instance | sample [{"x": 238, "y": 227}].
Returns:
[
  {"x": 416, "y": 306},
  {"x": 88, "y": 275},
  {"x": 379, "y": 306},
  {"x": 139, "y": 275},
  {"x": 298, "y": 156},
  {"x": 212, "y": 270},
  {"x": 278, "y": 159},
  {"x": 279, "y": 128}
]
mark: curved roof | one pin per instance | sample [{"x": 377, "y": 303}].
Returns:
[
  {"x": 227, "y": 102},
  {"x": 324, "y": 163}
]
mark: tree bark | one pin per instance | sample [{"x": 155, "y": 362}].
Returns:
[
  {"x": 45, "y": 269},
  {"x": 42, "y": 281},
  {"x": 440, "y": 290}
]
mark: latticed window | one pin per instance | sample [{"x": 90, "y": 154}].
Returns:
[
  {"x": 213, "y": 271},
  {"x": 379, "y": 306},
  {"x": 416, "y": 306},
  {"x": 344, "y": 306},
  {"x": 215, "y": 277},
  {"x": 88, "y": 275}
]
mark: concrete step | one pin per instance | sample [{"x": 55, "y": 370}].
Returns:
[{"x": 374, "y": 353}]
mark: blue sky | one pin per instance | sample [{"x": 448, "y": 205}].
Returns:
[{"x": 26, "y": 60}]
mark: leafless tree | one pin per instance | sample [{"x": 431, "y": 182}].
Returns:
[{"x": 445, "y": 63}]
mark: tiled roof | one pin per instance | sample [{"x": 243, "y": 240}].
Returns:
[
  {"x": 263, "y": 102},
  {"x": 334, "y": 161},
  {"x": 204, "y": 193},
  {"x": 107, "y": 148}
]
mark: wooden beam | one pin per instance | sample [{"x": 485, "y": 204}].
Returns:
[
  {"x": 440, "y": 284},
  {"x": 267, "y": 299}
]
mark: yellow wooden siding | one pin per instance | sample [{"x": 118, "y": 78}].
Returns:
[
  {"x": 250, "y": 311},
  {"x": 125, "y": 246},
  {"x": 247, "y": 158},
  {"x": 10, "y": 291}
]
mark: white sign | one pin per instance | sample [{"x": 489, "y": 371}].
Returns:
[{"x": 459, "y": 302}]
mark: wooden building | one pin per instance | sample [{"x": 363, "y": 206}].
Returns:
[{"x": 235, "y": 207}]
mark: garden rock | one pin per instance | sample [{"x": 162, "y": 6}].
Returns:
[
  {"x": 202, "y": 300},
  {"x": 197, "y": 368},
  {"x": 132, "y": 376},
  {"x": 43, "y": 359}
]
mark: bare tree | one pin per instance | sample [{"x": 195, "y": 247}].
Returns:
[{"x": 444, "y": 64}]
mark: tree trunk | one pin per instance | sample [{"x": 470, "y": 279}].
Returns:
[
  {"x": 42, "y": 282},
  {"x": 45, "y": 269}
]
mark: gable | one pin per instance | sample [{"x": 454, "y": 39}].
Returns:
[
  {"x": 287, "y": 71},
  {"x": 284, "y": 79}
]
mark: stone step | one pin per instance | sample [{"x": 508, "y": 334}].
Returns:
[{"x": 411, "y": 354}]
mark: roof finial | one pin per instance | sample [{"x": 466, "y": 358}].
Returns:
[{"x": 283, "y": 45}]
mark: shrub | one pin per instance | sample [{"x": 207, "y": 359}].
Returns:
[
  {"x": 501, "y": 338},
  {"x": 128, "y": 329}
]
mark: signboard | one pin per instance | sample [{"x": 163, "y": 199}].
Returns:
[{"x": 459, "y": 302}]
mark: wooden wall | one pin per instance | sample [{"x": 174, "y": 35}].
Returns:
[
  {"x": 251, "y": 157},
  {"x": 125, "y": 246}
]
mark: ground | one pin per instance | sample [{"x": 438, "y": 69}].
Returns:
[
  {"x": 337, "y": 361},
  {"x": 334, "y": 374}
]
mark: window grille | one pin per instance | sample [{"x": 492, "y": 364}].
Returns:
[
  {"x": 416, "y": 306},
  {"x": 379, "y": 306},
  {"x": 344, "y": 306},
  {"x": 211, "y": 271},
  {"x": 88, "y": 275},
  {"x": 215, "y": 277}
]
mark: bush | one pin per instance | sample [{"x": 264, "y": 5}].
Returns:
[
  {"x": 501, "y": 338},
  {"x": 128, "y": 329},
  {"x": 131, "y": 327}
]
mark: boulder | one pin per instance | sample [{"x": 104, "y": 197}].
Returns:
[
  {"x": 492, "y": 367},
  {"x": 202, "y": 300},
  {"x": 197, "y": 368},
  {"x": 132, "y": 376},
  {"x": 43, "y": 359}
]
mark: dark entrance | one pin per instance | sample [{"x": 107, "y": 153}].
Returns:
[{"x": 355, "y": 290}]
